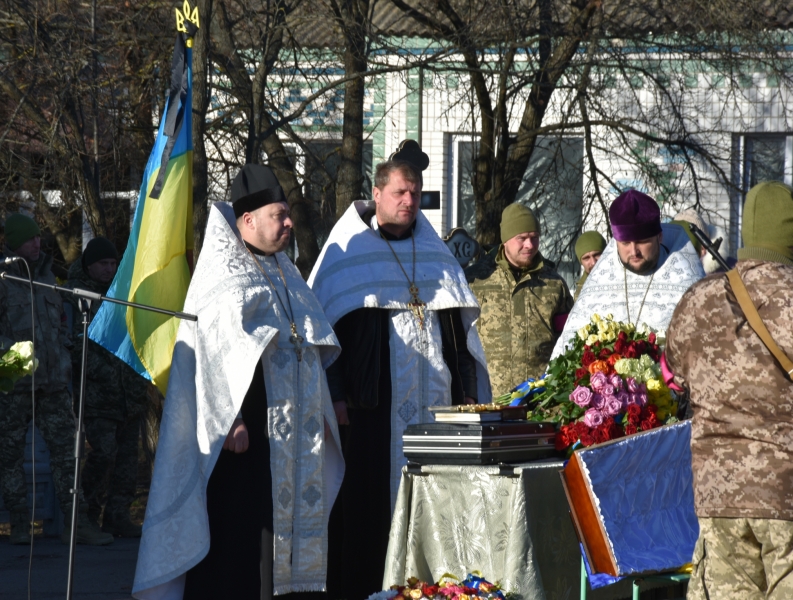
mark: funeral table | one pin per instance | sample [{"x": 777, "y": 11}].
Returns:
[{"x": 512, "y": 524}]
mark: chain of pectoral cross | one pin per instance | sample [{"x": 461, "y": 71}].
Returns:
[
  {"x": 295, "y": 339},
  {"x": 416, "y": 304}
]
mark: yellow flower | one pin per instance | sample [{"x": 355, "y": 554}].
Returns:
[
  {"x": 596, "y": 318},
  {"x": 416, "y": 593},
  {"x": 590, "y": 341},
  {"x": 583, "y": 333},
  {"x": 654, "y": 384}
]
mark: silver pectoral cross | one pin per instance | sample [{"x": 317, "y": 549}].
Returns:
[
  {"x": 417, "y": 305},
  {"x": 297, "y": 341}
]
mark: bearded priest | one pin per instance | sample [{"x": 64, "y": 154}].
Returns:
[
  {"x": 643, "y": 272},
  {"x": 249, "y": 458},
  {"x": 404, "y": 316}
]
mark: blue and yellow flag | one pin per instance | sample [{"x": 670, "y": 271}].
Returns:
[{"x": 154, "y": 269}]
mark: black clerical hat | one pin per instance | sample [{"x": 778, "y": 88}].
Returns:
[
  {"x": 253, "y": 187},
  {"x": 409, "y": 151}
]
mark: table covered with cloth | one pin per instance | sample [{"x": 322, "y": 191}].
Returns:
[{"x": 513, "y": 529}]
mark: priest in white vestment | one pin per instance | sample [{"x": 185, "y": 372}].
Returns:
[
  {"x": 641, "y": 275},
  {"x": 404, "y": 314},
  {"x": 249, "y": 458}
]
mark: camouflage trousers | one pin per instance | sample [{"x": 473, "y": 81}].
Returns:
[
  {"x": 742, "y": 559},
  {"x": 55, "y": 420},
  {"x": 111, "y": 468}
]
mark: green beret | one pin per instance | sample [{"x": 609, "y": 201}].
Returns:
[
  {"x": 767, "y": 226},
  {"x": 19, "y": 229},
  {"x": 517, "y": 219},
  {"x": 588, "y": 242}
]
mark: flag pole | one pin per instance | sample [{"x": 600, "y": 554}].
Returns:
[{"x": 187, "y": 26}]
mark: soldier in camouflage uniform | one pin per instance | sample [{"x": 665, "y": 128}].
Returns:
[
  {"x": 742, "y": 400},
  {"x": 524, "y": 302},
  {"x": 115, "y": 398},
  {"x": 54, "y": 415},
  {"x": 588, "y": 249}
]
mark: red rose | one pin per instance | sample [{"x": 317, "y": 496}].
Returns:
[
  {"x": 601, "y": 434},
  {"x": 648, "y": 424},
  {"x": 651, "y": 408},
  {"x": 560, "y": 443},
  {"x": 622, "y": 336},
  {"x": 429, "y": 590},
  {"x": 630, "y": 428},
  {"x": 588, "y": 358},
  {"x": 604, "y": 354},
  {"x": 615, "y": 431},
  {"x": 631, "y": 351},
  {"x": 651, "y": 338},
  {"x": 562, "y": 439},
  {"x": 580, "y": 374},
  {"x": 587, "y": 439},
  {"x": 579, "y": 429},
  {"x": 620, "y": 345}
]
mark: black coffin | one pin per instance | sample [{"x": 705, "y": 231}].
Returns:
[{"x": 478, "y": 443}]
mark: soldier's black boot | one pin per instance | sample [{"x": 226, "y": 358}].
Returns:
[
  {"x": 121, "y": 526},
  {"x": 86, "y": 533}
]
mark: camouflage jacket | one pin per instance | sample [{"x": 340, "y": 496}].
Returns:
[
  {"x": 113, "y": 389},
  {"x": 516, "y": 323},
  {"x": 54, "y": 371},
  {"x": 742, "y": 401},
  {"x": 579, "y": 285}
]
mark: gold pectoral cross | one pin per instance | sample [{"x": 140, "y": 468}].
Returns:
[
  {"x": 417, "y": 305},
  {"x": 297, "y": 341}
]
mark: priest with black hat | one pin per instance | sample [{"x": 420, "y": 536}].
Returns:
[
  {"x": 249, "y": 461},
  {"x": 404, "y": 314}
]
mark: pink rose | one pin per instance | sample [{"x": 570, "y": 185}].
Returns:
[
  {"x": 624, "y": 398},
  {"x": 582, "y": 396},
  {"x": 639, "y": 398},
  {"x": 612, "y": 406},
  {"x": 634, "y": 387},
  {"x": 593, "y": 418},
  {"x": 598, "y": 381},
  {"x": 597, "y": 401},
  {"x": 616, "y": 382}
]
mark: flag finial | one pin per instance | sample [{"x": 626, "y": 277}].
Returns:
[{"x": 187, "y": 22}]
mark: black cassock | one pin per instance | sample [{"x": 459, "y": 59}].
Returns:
[
  {"x": 361, "y": 376},
  {"x": 239, "y": 564}
]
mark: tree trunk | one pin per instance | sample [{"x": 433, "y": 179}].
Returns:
[
  {"x": 201, "y": 93},
  {"x": 349, "y": 181}
]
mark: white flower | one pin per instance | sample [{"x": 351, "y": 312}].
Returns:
[
  {"x": 24, "y": 349},
  {"x": 21, "y": 353}
]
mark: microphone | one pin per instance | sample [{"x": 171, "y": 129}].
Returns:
[{"x": 10, "y": 259}]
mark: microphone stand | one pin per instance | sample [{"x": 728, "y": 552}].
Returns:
[
  {"x": 85, "y": 298},
  {"x": 709, "y": 246}
]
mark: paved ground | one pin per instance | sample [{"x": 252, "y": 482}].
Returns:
[{"x": 100, "y": 573}]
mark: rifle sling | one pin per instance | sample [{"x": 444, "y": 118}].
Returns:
[{"x": 755, "y": 322}]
